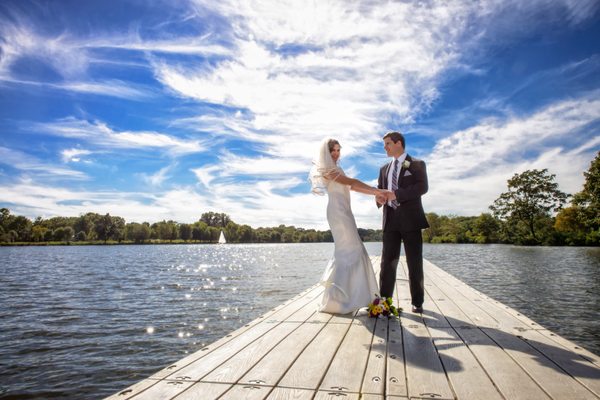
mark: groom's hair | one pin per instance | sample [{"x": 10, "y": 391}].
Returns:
[{"x": 395, "y": 136}]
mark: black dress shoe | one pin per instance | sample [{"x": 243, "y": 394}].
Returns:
[{"x": 417, "y": 309}]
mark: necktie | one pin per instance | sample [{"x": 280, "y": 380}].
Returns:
[{"x": 395, "y": 184}]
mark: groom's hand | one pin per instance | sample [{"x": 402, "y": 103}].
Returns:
[{"x": 384, "y": 196}]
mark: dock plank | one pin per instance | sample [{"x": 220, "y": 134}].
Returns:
[
  {"x": 374, "y": 377},
  {"x": 395, "y": 371},
  {"x": 465, "y": 345},
  {"x": 235, "y": 367},
  {"x": 547, "y": 374},
  {"x": 310, "y": 367},
  {"x": 348, "y": 365},
  {"x": 203, "y": 391},
  {"x": 510, "y": 379},
  {"x": 247, "y": 392},
  {"x": 424, "y": 370},
  {"x": 290, "y": 394},
  {"x": 272, "y": 367},
  {"x": 581, "y": 369},
  {"x": 467, "y": 377}
]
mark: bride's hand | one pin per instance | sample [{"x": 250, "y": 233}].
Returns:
[{"x": 383, "y": 196}]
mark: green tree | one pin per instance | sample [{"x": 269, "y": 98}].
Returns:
[
  {"x": 219, "y": 220},
  {"x": 434, "y": 227},
  {"x": 185, "y": 231},
  {"x": 528, "y": 204},
  {"x": 59, "y": 234},
  {"x": 580, "y": 223},
  {"x": 38, "y": 233},
  {"x": 69, "y": 234},
  {"x": 105, "y": 227},
  {"x": 22, "y": 226},
  {"x": 138, "y": 233},
  {"x": 485, "y": 229},
  {"x": 246, "y": 234},
  {"x": 200, "y": 231},
  {"x": 85, "y": 223},
  {"x": 5, "y": 218}
]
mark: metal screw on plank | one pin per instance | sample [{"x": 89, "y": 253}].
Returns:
[
  {"x": 337, "y": 394},
  {"x": 252, "y": 387},
  {"x": 433, "y": 395},
  {"x": 174, "y": 383},
  {"x": 124, "y": 392},
  {"x": 393, "y": 379},
  {"x": 376, "y": 379},
  {"x": 183, "y": 378},
  {"x": 172, "y": 366},
  {"x": 257, "y": 381},
  {"x": 339, "y": 388}
]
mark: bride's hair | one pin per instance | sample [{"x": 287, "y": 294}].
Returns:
[
  {"x": 331, "y": 144},
  {"x": 323, "y": 164}
]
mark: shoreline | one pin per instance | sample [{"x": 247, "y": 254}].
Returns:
[{"x": 181, "y": 242}]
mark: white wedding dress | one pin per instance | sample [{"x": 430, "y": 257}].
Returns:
[{"x": 349, "y": 279}]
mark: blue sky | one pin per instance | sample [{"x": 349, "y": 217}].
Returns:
[{"x": 156, "y": 110}]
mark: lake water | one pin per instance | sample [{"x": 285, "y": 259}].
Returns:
[{"x": 86, "y": 322}]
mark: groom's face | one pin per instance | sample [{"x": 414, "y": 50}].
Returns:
[{"x": 393, "y": 149}]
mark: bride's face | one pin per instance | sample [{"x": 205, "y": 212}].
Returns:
[{"x": 335, "y": 153}]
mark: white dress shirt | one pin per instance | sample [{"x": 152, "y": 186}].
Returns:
[{"x": 391, "y": 170}]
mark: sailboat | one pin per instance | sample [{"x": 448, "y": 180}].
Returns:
[{"x": 222, "y": 238}]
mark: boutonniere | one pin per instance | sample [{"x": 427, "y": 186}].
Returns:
[{"x": 405, "y": 164}]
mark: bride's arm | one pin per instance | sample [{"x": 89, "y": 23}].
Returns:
[{"x": 355, "y": 184}]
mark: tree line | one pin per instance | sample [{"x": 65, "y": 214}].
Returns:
[
  {"x": 93, "y": 227},
  {"x": 531, "y": 212}
]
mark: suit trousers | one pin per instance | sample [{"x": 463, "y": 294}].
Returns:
[{"x": 413, "y": 248}]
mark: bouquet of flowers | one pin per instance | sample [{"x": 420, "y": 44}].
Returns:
[{"x": 383, "y": 306}]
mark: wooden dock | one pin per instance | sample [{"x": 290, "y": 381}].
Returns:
[{"x": 464, "y": 346}]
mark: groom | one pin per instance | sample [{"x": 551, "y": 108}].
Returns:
[{"x": 403, "y": 218}]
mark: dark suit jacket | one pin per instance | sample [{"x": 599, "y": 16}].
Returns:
[{"x": 409, "y": 216}]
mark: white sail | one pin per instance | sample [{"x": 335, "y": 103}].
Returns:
[{"x": 222, "y": 238}]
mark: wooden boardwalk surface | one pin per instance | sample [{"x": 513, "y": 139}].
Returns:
[{"x": 464, "y": 346}]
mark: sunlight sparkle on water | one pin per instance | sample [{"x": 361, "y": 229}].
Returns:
[{"x": 150, "y": 329}]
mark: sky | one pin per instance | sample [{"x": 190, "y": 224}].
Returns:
[{"x": 163, "y": 110}]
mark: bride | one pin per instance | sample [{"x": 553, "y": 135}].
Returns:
[{"x": 349, "y": 279}]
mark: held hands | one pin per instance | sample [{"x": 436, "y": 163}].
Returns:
[{"x": 383, "y": 196}]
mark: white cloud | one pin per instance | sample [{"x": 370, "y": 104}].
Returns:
[
  {"x": 469, "y": 169},
  {"x": 290, "y": 74},
  {"x": 352, "y": 65},
  {"x": 357, "y": 65},
  {"x": 74, "y": 155},
  {"x": 58, "y": 52},
  {"x": 114, "y": 88},
  {"x": 100, "y": 134},
  {"x": 29, "y": 164},
  {"x": 159, "y": 177}
]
